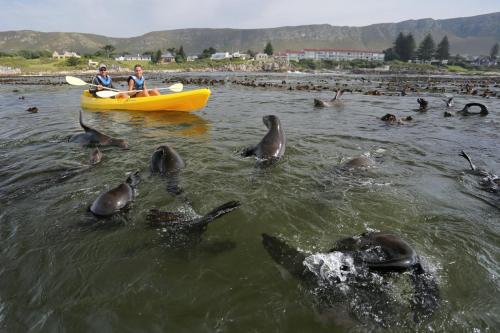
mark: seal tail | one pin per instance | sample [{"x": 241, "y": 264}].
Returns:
[
  {"x": 464, "y": 155},
  {"x": 85, "y": 127},
  {"x": 216, "y": 213}
]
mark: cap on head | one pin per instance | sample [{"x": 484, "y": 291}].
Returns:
[{"x": 103, "y": 66}]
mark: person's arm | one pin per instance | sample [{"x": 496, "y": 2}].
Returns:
[
  {"x": 146, "y": 93},
  {"x": 93, "y": 88}
]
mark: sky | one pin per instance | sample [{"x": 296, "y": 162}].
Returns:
[{"x": 129, "y": 18}]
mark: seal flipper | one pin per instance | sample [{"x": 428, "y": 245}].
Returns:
[
  {"x": 464, "y": 155},
  {"x": 158, "y": 218},
  {"x": 426, "y": 293},
  {"x": 291, "y": 259}
]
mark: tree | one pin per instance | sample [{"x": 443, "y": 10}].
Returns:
[
  {"x": 443, "y": 49},
  {"x": 72, "y": 61},
  {"x": 404, "y": 47},
  {"x": 494, "y": 51},
  {"x": 251, "y": 53},
  {"x": 389, "y": 54},
  {"x": 427, "y": 48},
  {"x": 268, "y": 49},
  {"x": 206, "y": 53},
  {"x": 155, "y": 56},
  {"x": 108, "y": 49},
  {"x": 180, "y": 56}
]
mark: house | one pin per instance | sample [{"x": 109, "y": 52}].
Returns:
[
  {"x": 92, "y": 63},
  {"x": 220, "y": 56},
  {"x": 238, "y": 55},
  {"x": 191, "y": 58},
  {"x": 167, "y": 57},
  {"x": 64, "y": 55},
  {"x": 261, "y": 56}
]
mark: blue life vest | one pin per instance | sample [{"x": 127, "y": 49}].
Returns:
[
  {"x": 139, "y": 83},
  {"x": 106, "y": 82}
]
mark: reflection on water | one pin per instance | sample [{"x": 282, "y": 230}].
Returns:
[
  {"x": 164, "y": 122},
  {"x": 57, "y": 276}
]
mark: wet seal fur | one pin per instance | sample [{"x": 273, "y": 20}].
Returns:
[
  {"x": 94, "y": 137},
  {"x": 378, "y": 252},
  {"x": 95, "y": 156},
  {"x": 272, "y": 146},
  {"x": 320, "y": 103},
  {"x": 116, "y": 199},
  {"x": 166, "y": 162},
  {"x": 392, "y": 119},
  {"x": 465, "y": 111}
]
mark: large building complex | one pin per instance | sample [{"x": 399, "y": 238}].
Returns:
[{"x": 332, "y": 54}]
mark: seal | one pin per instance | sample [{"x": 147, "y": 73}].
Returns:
[
  {"x": 93, "y": 137},
  {"x": 392, "y": 119},
  {"x": 272, "y": 146},
  {"x": 357, "y": 163},
  {"x": 423, "y": 104},
  {"x": 116, "y": 199},
  {"x": 465, "y": 111},
  {"x": 166, "y": 162},
  {"x": 489, "y": 181},
  {"x": 336, "y": 98},
  {"x": 449, "y": 102},
  {"x": 355, "y": 265}
]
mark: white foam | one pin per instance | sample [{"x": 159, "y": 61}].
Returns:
[{"x": 330, "y": 267}]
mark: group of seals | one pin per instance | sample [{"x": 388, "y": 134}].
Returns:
[
  {"x": 351, "y": 261},
  {"x": 272, "y": 146}
]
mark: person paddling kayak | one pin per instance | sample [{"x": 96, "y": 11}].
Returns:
[
  {"x": 101, "y": 81},
  {"x": 138, "y": 82}
]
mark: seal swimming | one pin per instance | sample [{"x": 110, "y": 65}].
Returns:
[
  {"x": 338, "y": 94},
  {"x": 166, "y": 162},
  {"x": 95, "y": 156},
  {"x": 272, "y": 146},
  {"x": 422, "y": 104},
  {"x": 114, "y": 200},
  {"x": 94, "y": 137},
  {"x": 465, "y": 111},
  {"x": 489, "y": 180},
  {"x": 352, "y": 269}
]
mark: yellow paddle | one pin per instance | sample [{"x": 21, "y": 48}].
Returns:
[
  {"x": 177, "y": 87},
  {"x": 74, "y": 81}
]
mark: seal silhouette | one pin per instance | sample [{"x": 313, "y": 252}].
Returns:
[
  {"x": 114, "y": 200},
  {"x": 94, "y": 137},
  {"x": 272, "y": 146},
  {"x": 166, "y": 162},
  {"x": 355, "y": 265}
]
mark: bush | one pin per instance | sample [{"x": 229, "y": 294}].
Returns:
[{"x": 72, "y": 61}]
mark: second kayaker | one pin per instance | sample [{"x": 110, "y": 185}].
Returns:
[{"x": 138, "y": 82}]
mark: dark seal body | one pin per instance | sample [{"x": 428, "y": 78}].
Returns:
[
  {"x": 272, "y": 145},
  {"x": 166, "y": 160},
  {"x": 93, "y": 137},
  {"x": 112, "y": 201}
]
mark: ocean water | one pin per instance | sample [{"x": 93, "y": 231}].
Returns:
[{"x": 61, "y": 269}]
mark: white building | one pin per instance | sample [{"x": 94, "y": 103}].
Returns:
[
  {"x": 334, "y": 54},
  {"x": 137, "y": 57},
  {"x": 64, "y": 55},
  {"x": 191, "y": 58},
  {"x": 220, "y": 56},
  {"x": 261, "y": 56},
  {"x": 238, "y": 55}
]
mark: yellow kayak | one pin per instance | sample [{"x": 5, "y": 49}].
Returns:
[{"x": 184, "y": 101}]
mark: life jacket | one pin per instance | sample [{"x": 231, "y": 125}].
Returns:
[
  {"x": 105, "y": 81},
  {"x": 139, "y": 83}
]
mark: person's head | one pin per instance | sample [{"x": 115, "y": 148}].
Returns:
[
  {"x": 103, "y": 70},
  {"x": 138, "y": 70}
]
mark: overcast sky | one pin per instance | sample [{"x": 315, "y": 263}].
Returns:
[{"x": 127, "y": 18}]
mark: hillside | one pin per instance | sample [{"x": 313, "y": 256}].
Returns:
[{"x": 473, "y": 35}]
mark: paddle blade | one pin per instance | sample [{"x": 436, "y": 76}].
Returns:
[
  {"x": 176, "y": 87},
  {"x": 74, "y": 81},
  {"x": 107, "y": 93}
]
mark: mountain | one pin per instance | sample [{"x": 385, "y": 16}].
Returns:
[{"x": 473, "y": 35}]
